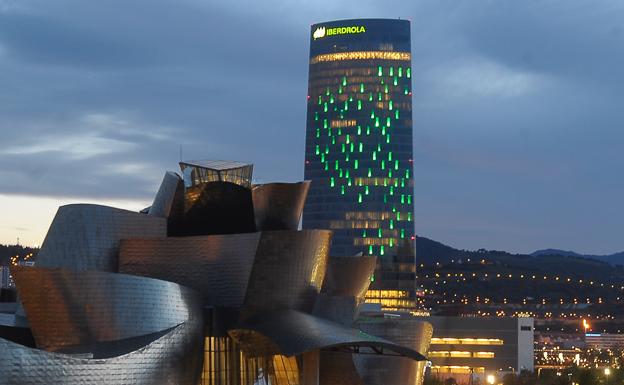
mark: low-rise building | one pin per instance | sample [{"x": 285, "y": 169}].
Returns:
[
  {"x": 604, "y": 340},
  {"x": 466, "y": 348}
]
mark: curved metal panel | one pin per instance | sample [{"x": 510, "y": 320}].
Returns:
[
  {"x": 343, "y": 310},
  {"x": 288, "y": 270},
  {"x": 278, "y": 206},
  {"x": 215, "y": 208},
  {"x": 68, "y": 309},
  {"x": 163, "y": 201},
  {"x": 217, "y": 266},
  {"x": 346, "y": 281},
  {"x": 338, "y": 368},
  {"x": 349, "y": 276},
  {"x": 410, "y": 333},
  {"x": 291, "y": 332},
  {"x": 175, "y": 358},
  {"x": 86, "y": 236}
]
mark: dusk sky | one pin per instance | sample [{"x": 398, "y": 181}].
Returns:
[{"x": 518, "y": 108}]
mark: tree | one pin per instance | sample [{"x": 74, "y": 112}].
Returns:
[
  {"x": 527, "y": 378},
  {"x": 586, "y": 377}
]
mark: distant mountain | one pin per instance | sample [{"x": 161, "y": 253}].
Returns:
[
  {"x": 565, "y": 253},
  {"x": 429, "y": 251},
  {"x": 547, "y": 261},
  {"x": 613, "y": 259}
]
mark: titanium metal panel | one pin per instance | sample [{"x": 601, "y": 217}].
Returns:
[
  {"x": 164, "y": 199},
  {"x": 288, "y": 270},
  {"x": 174, "y": 359},
  {"x": 215, "y": 208},
  {"x": 86, "y": 236},
  {"x": 68, "y": 309},
  {"x": 278, "y": 206},
  {"x": 349, "y": 276},
  {"x": 409, "y": 333},
  {"x": 291, "y": 332},
  {"x": 217, "y": 266},
  {"x": 346, "y": 281},
  {"x": 338, "y": 368}
]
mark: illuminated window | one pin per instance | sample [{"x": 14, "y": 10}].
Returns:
[
  {"x": 456, "y": 369},
  {"x": 283, "y": 370},
  {"x": 466, "y": 341},
  {"x": 362, "y": 55}
]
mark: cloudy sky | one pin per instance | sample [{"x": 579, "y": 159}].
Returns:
[{"x": 518, "y": 108}]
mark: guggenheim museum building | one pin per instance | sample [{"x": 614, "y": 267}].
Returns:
[{"x": 212, "y": 284}]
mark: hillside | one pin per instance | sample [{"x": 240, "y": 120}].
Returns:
[
  {"x": 613, "y": 259},
  {"x": 429, "y": 252},
  {"x": 491, "y": 282}
]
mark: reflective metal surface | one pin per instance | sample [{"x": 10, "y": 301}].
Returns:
[
  {"x": 349, "y": 276},
  {"x": 288, "y": 270},
  {"x": 217, "y": 266},
  {"x": 163, "y": 201},
  {"x": 408, "y": 332},
  {"x": 338, "y": 368},
  {"x": 86, "y": 236},
  {"x": 173, "y": 359},
  {"x": 69, "y": 309},
  {"x": 278, "y": 206},
  {"x": 291, "y": 332},
  {"x": 215, "y": 208},
  {"x": 346, "y": 281}
]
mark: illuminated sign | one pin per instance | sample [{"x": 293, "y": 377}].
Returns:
[{"x": 321, "y": 32}]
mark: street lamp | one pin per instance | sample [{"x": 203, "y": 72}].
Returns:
[{"x": 490, "y": 379}]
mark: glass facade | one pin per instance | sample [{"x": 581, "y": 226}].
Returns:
[
  {"x": 199, "y": 172},
  {"x": 226, "y": 364},
  {"x": 359, "y": 136}
]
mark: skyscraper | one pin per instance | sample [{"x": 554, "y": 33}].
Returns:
[{"x": 359, "y": 136}]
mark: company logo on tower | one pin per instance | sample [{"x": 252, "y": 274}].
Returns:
[{"x": 319, "y": 33}]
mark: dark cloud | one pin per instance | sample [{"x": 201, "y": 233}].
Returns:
[{"x": 517, "y": 118}]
